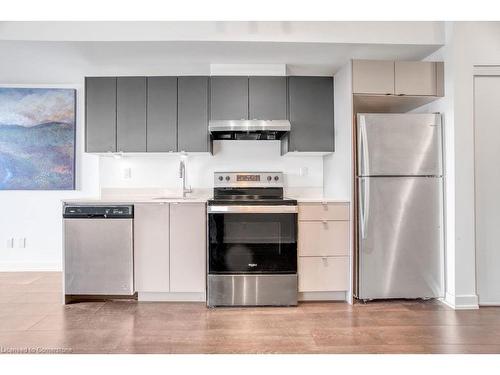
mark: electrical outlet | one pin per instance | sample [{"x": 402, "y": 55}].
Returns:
[{"x": 127, "y": 173}]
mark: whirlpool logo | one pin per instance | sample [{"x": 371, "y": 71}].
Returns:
[{"x": 252, "y": 265}]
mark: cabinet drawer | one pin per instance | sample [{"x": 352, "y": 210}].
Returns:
[
  {"x": 323, "y": 274},
  {"x": 322, "y": 238},
  {"x": 323, "y": 211}
]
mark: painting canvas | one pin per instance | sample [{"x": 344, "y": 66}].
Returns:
[{"x": 37, "y": 138}]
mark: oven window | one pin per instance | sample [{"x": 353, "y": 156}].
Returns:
[{"x": 252, "y": 243}]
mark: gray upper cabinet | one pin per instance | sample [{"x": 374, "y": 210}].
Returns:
[
  {"x": 228, "y": 98},
  {"x": 373, "y": 77},
  {"x": 311, "y": 114},
  {"x": 161, "y": 114},
  {"x": 192, "y": 107},
  {"x": 267, "y": 98},
  {"x": 131, "y": 114},
  {"x": 100, "y": 114}
]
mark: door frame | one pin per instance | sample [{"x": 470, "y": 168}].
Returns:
[{"x": 479, "y": 71}]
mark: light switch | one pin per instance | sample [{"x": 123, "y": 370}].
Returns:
[{"x": 10, "y": 243}]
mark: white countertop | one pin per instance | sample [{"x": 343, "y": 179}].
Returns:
[
  {"x": 319, "y": 200},
  {"x": 199, "y": 199},
  {"x": 137, "y": 199},
  {"x": 154, "y": 195}
]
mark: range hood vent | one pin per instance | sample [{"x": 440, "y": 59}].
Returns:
[{"x": 257, "y": 130}]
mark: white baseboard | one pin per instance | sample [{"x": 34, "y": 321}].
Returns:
[
  {"x": 322, "y": 296},
  {"x": 461, "y": 302},
  {"x": 30, "y": 267},
  {"x": 490, "y": 303},
  {"x": 171, "y": 297}
]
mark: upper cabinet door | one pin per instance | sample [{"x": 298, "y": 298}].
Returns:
[
  {"x": 372, "y": 77},
  {"x": 162, "y": 114},
  {"x": 131, "y": 114},
  {"x": 311, "y": 114},
  {"x": 416, "y": 78},
  {"x": 100, "y": 114},
  {"x": 267, "y": 98},
  {"x": 193, "y": 133},
  {"x": 228, "y": 98}
]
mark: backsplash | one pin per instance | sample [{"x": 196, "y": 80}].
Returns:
[{"x": 162, "y": 171}]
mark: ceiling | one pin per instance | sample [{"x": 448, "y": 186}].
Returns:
[{"x": 66, "y": 60}]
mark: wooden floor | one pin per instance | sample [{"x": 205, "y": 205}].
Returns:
[{"x": 33, "y": 319}]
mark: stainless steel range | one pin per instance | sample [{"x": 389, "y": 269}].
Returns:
[{"x": 252, "y": 241}]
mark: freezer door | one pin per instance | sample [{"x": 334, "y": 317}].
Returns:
[
  {"x": 399, "y": 144},
  {"x": 400, "y": 238}
]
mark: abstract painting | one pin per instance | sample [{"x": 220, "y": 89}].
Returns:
[{"x": 37, "y": 138}]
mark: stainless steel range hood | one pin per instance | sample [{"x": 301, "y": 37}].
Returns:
[{"x": 248, "y": 129}]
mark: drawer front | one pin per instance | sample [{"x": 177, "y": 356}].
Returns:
[
  {"x": 323, "y": 211},
  {"x": 323, "y": 238},
  {"x": 323, "y": 274}
]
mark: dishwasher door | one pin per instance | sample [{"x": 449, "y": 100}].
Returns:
[{"x": 98, "y": 256}]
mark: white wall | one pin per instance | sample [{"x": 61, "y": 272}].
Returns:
[
  {"x": 162, "y": 171},
  {"x": 36, "y": 216},
  {"x": 468, "y": 44},
  {"x": 338, "y": 166}
]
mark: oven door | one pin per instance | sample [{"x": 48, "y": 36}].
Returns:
[{"x": 252, "y": 239}]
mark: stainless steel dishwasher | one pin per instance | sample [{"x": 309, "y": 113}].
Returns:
[{"x": 98, "y": 251}]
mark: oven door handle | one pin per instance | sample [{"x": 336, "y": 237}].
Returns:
[{"x": 253, "y": 209}]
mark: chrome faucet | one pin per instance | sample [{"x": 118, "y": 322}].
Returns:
[{"x": 182, "y": 174}]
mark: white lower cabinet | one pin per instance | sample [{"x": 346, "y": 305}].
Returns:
[
  {"x": 151, "y": 247},
  {"x": 170, "y": 251},
  {"x": 187, "y": 247},
  {"x": 323, "y": 274},
  {"x": 323, "y": 247}
]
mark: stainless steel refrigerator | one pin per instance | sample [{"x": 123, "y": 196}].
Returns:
[{"x": 400, "y": 206}]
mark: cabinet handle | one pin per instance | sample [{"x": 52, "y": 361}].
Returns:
[
  {"x": 325, "y": 222},
  {"x": 325, "y": 261}
]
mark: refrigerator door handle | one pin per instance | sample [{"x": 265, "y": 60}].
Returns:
[
  {"x": 364, "y": 199},
  {"x": 364, "y": 166}
]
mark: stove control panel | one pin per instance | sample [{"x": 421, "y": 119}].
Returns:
[{"x": 248, "y": 179}]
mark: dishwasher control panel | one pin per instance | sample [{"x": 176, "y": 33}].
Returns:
[{"x": 98, "y": 212}]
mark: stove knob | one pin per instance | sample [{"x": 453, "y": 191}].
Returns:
[
  {"x": 269, "y": 178},
  {"x": 227, "y": 178},
  {"x": 221, "y": 178},
  {"x": 276, "y": 178}
]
